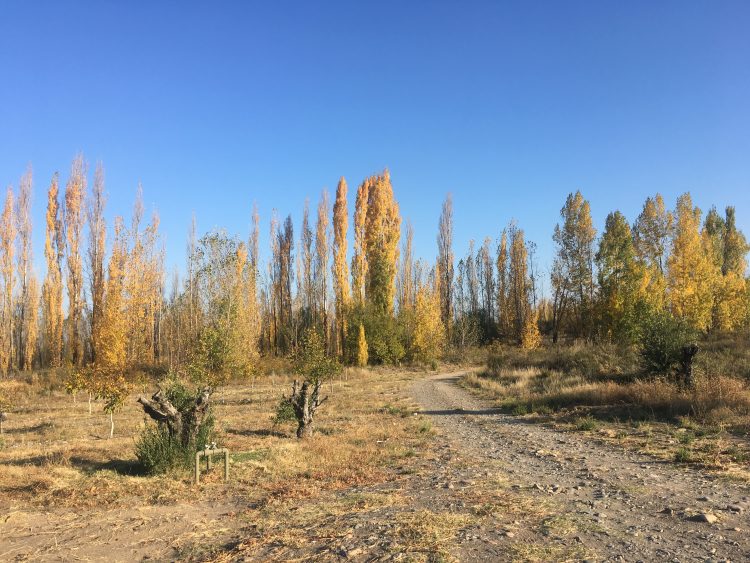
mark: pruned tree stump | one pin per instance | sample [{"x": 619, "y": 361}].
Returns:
[
  {"x": 182, "y": 426},
  {"x": 305, "y": 400},
  {"x": 686, "y": 364}
]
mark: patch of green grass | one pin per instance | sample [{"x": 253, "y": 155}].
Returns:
[
  {"x": 686, "y": 438},
  {"x": 738, "y": 455},
  {"x": 520, "y": 409},
  {"x": 254, "y": 455},
  {"x": 541, "y": 409},
  {"x": 683, "y": 455},
  {"x": 586, "y": 424},
  {"x": 424, "y": 427},
  {"x": 394, "y": 410}
]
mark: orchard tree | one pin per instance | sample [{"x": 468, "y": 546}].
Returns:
[{"x": 314, "y": 366}]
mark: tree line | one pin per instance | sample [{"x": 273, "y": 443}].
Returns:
[{"x": 105, "y": 306}]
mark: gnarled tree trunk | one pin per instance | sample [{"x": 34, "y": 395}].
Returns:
[
  {"x": 686, "y": 364},
  {"x": 182, "y": 426},
  {"x": 305, "y": 400}
]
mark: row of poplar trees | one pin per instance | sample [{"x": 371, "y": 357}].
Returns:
[
  {"x": 91, "y": 306},
  {"x": 103, "y": 301}
]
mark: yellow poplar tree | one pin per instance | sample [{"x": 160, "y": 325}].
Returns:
[
  {"x": 7, "y": 242},
  {"x": 362, "y": 356},
  {"x": 52, "y": 314},
  {"x": 382, "y": 233},
  {"x": 340, "y": 267},
  {"x": 113, "y": 334},
  {"x": 107, "y": 375},
  {"x": 321, "y": 265},
  {"x": 530, "y": 336},
  {"x": 690, "y": 276},
  {"x": 518, "y": 285},
  {"x": 74, "y": 194},
  {"x": 727, "y": 248},
  {"x": 96, "y": 252},
  {"x": 28, "y": 297},
  {"x": 429, "y": 332},
  {"x": 359, "y": 259}
]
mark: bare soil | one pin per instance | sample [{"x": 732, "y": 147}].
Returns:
[
  {"x": 600, "y": 502},
  {"x": 477, "y": 485}
]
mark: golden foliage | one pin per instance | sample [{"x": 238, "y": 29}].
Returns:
[
  {"x": 359, "y": 260},
  {"x": 362, "y": 355},
  {"x": 690, "y": 275},
  {"x": 429, "y": 332},
  {"x": 530, "y": 337},
  {"x": 7, "y": 240},
  {"x": 340, "y": 268},
  {"x": 74, "y": 219},
  {"x": 382, "y": 233},
  {"x": 52, "y": 289}
]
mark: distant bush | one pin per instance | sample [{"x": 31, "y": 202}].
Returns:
[
  {"x": 661, "y": 342},
  {"x": 384, "y": 336}
]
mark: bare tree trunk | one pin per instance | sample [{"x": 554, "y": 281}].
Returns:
[
  {"x": 182, "y": 426},
  {"x": 305, "y": 401},
  {"x": 686, "y": 364},
  {"x": 111, "y": 425}
]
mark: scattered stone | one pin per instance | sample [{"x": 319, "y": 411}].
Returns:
[
  {"x": 668, "y": 511},
  {"x": 706, "y": 517}
]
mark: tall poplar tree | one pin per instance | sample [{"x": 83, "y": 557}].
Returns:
[
  {"x": 75, "y": 191},
  {"x": 383, "y": 230},
  {"x": 96, "y": 252},
  {"x": 320, "y": 267},
  {"x": 445, "y": 263},
  {"x": 340, "y": 268},
  {"x": 359, "y": 259},
  {"x": 690, "y": 276},
  {"x": 28, "y": 293},
  {"x": 573, "y": 268},
  {"x": 52, "y": 314},
  {"x": 621, "y": 279},
  {"x": 7, "y": 244}
]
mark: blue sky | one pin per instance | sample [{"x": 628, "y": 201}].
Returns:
[{"x": 508, "y": 105}]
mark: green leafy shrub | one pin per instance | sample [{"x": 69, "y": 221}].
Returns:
[
  {"x": 661, "y": 342},
  {"x": 157, "y": 450},
  {"x": 385, "y": 335},
  {"x": 284, "y": 412}
]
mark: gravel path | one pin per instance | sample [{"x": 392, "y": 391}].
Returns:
[{"x": 615, "y": 504}]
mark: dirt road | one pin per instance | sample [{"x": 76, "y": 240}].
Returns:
[{"x": 596, "y": 502}]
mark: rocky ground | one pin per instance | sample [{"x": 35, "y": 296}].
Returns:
[{"x": 613, "y": 504}]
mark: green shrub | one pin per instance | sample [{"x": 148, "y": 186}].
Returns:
[
  {"x": 284, "y": 412},
  {"x": 683, "y": 455},
  {"x": 586, "y": 424},
  {"x": 157, "y": 451},
  {"x": 385, "y": 335},
  {"x": 661, "y": 342}
]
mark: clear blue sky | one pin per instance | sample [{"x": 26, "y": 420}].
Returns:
[{"x": 508, "y": 105}]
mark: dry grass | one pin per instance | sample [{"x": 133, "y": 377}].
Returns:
[
  {"x": 717, "y": 408},
  {"x": 54, "y": 455}
]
